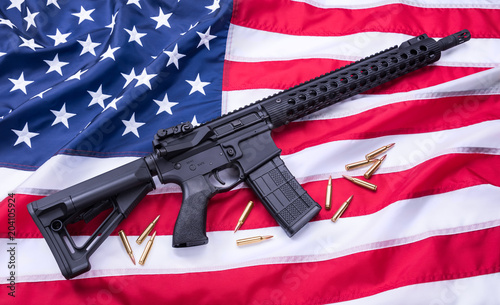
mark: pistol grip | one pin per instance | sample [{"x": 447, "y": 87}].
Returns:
[
  {"x": 190, "y": 226},
  {"x": 283, "y": 196}
]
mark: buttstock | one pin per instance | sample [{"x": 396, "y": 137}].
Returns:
[{"x": 120, "y": 190}]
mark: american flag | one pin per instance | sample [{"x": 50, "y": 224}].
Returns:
[{"x": 85, "y": 85}]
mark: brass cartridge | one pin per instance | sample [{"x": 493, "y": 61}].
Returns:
[
  {"x": 148, "y": 230},
  {"x": 357, "y": 164},
  {"x": 362, "y": 183},
  {"x": 145, "y": 254},
  {"x": 378, "y": 151},
  {"x": 252, "y": 240},
  {"x": 244, "y": 215},
  {"x": 328, "y": 201},
  {"x": 342, "y": 209},
  {"x": 374, "y": 167},
  {"x": 126, "y": 244}
]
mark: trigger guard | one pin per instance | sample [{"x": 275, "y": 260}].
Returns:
[
  {"x": 225, "y": 185},
  {"x": 216, "y": 174}
]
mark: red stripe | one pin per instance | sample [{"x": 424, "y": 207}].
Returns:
[
  {"x": 439, "y": 175},
  {"x": 296, "y": 18},
  {"x": 285, "y": 74},
  {"x": 350, "y": 277},
  {"x": 409, "y": 117}
]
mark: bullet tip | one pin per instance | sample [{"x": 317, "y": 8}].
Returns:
[
  {"x": 383, "y": 158},
  {"x": 347, "y": 177},
  {"x": 132, "y": 258},
  {"x": 238, "y": 226},
  {"x": 350, "y": 198},
  {"x": 153, "y": 236},
  {"x": 267, "y": 237},
  {"x": 391, "y": 145}
]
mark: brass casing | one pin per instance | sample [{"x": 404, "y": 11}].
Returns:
[
  {"x": 374, "y": 167},
  {"x": 362, "y": 183},
  {"x": 328, "y": 201},
  {"x": 145, "y": 254},
  {"x": 126, "y": 244},
  {"x": 244, "y": 215},
  {"x": 148, "y": 230},
  {"x": 252, "y": 240},
  {"x": 378, "y": 151},
  {"x": 342, "y": 209},
  {"x": 357, "y": 164}
]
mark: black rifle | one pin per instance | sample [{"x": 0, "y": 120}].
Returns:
[{"x": 216, "y": 156}]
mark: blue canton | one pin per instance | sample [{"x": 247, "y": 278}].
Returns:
[{"x": 99, "y": 78}]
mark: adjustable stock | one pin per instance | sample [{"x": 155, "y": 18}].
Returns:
[{"x": 120, "y": 190}]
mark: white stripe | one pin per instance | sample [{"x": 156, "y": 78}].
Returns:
[
  {"x": 363, "y": 4},
  {"x": 322, "y": 160},
  {"x": 481, "y": 289},
  {"x": 482, "y": 83},
  {"x": 11, "y": 178},
  {"x": 401, "y": 223},
  {"x": 65, "y": 171},
  {"x": 318, "y": 162},
  {"x": 250, "y": 45}
]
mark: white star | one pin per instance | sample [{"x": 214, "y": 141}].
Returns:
[
  {"x": 197, "y": 85},
  {"x": 59, "y": 38},
  {"x": 62, "y": 116},
  {"x": 113, "y": 22},
  {"x": 131, "y": 126},
  {"x": 109, "y": 53},
  {"x": 190, "y": 28},
  {"x": 30, "y": 18},
  {"x": 129, "y": 77},
  {"x": 165, "y": 105},
  {"x": 15, "y": 4},
  {"x": 24, "y": 135},
  {"x": 174, "y": 57},
  {"x": 77, "y": 75},
  {"x": 98, "y": 97},
  {"x": 2, "y": 54},
  {"x": 83, "y": 15},
  {"x": 30, "y": 44},
  {"x": 194, "y": 122},
  {"x": 136, "y": 2},
  {"x": 20, "y": 83},
  {"x": 7, "y": 22},
  {"x": 55, "y": 65},
  {"x": 53, "y": 2},
  {"x": 113, "y": 103},
  {"x": 205, "y": 38},
  {"x": 40, "y": 95},
  {"x": 162, "y": 19},
  {"x": 88, "y": 46},
  {"x": 214, "y": 6},
  {"x": 144, "y": 78},
  {"x": 135, "y": 36}
]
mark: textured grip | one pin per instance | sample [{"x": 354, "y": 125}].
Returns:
[
  {"x": 190, "y": 226},
  {"x": 286, "y": 200}
]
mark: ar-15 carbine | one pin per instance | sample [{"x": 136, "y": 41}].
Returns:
[{"x": 216, "y": 156}]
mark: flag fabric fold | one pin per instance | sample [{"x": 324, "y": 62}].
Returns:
[{"x": 85, "y": 85}]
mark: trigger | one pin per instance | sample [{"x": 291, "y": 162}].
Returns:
[{"x": 216, "y": 174}]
